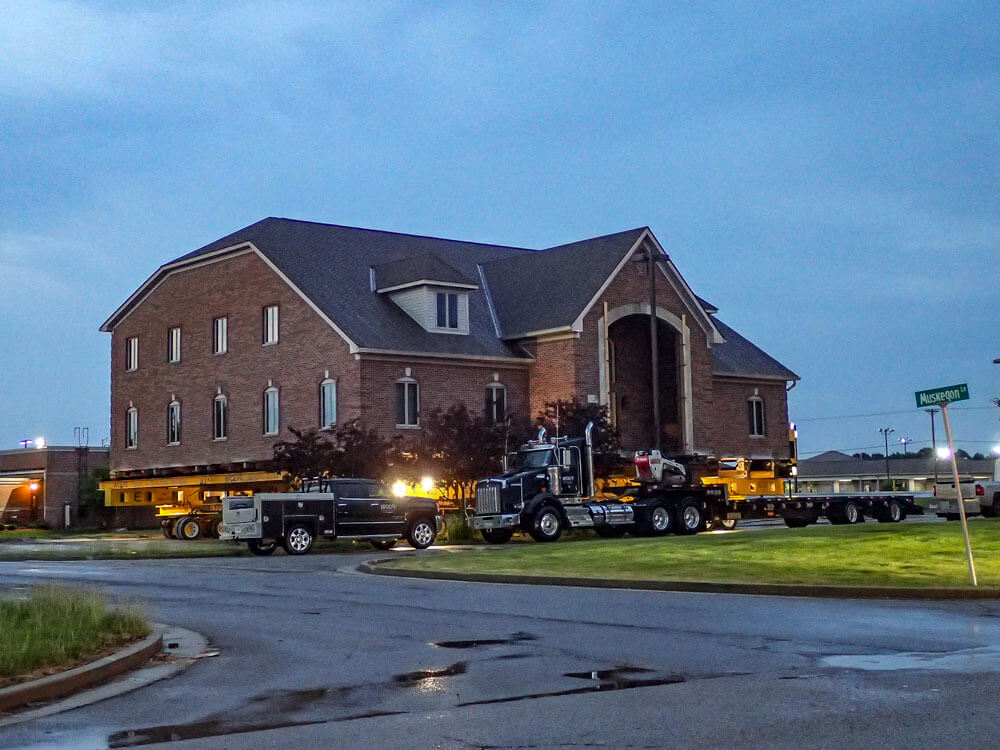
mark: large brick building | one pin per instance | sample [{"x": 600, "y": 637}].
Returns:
[{"x": 293, "y": 323}]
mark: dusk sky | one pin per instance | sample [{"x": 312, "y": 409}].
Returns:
[{"x": 826, "y": 174}]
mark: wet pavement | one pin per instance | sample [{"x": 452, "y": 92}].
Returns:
[{"x": 315, "y": 654}]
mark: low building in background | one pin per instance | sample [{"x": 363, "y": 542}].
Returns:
[
  {"x": 44, "y": 486},
  {"x": 834, "y": 471}
]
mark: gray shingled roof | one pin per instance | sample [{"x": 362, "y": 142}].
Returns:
[
  {"x": 531, "y": 290},
  {"x": 739, "y": 357},
  {"x": 426, "y": 267},
  {"x": 550, "y": 289}
]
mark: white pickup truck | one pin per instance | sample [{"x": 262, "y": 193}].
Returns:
[{"x": 981, "y": 497}]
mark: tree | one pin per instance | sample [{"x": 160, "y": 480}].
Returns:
[
  {"x": 358, "y": 452},
  {"x": 569, "y": 417},
  {"x": 305, "y": 457}
]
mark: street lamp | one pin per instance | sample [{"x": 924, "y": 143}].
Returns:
[
  {"x": 885, "y": 433},
  {"x": 904, "y": 441}
]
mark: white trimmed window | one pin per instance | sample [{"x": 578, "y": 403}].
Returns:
[
  {"x": 220, "y": 417},
  {"x": 327, "y": 403},
  {"x": 270, "y": 323},
  {"x": 447, "y": 310},
  {"x": 407, "y": 403},
  {"x": 132, "y": 428},
  {"x": 496, "y": 403},
  {"x": 131, "y": 353},
  {"x": 271, "y": 410},
  {"x": 174, "y": 423},
  {"x": 755, "y": 416},
  {"x": 174, "y": 345},
  {"x": 220, "y": 335}
]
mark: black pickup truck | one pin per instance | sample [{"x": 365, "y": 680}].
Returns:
[{"x": 339, "y": 508}]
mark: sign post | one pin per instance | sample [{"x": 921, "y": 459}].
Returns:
[{"x": 942, "y": 397}]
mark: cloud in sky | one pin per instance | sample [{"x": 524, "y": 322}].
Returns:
[{"x": 824, "y": 173}]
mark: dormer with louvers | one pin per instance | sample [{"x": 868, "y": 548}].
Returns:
[{"x": 430, "y": 291}]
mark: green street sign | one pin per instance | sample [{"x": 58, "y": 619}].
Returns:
[{"x": 946, "y": 395}]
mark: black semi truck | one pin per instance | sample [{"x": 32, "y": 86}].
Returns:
[
  {"x": 551, "y": 487},
  {"x": 341, "y": 508}
]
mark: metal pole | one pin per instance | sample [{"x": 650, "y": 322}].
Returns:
[
  {"x": 958, "y": 492},
  {"x": 654, "y": 353},
  {"x": 932, "y": 412}
]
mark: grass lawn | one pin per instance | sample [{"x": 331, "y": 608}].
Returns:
[
  {"x": 57, "y": 628},
  {"x": 870, "y": 554}
]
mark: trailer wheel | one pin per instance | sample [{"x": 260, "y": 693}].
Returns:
[
  {"x": 497, "y": 536},
  {"x": 848, "y": 513},
  {"x": 261, "y": 549},
  {"x": 547, "y": 526},
  {"x": 167, "y": 527},
  {"x": 892, "y": 513},
  {"x": 421, "y": 534},
  {"x": 298, "y": 540},
  {"x": 795, "y": 522},
  {"x": 188, "y": 528},
  {"x": 690, "y": 519},
  {"x": 384, "y": 544}
]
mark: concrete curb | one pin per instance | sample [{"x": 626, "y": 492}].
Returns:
[
  {"x": 71, "y": 681},
  {"x": 377, "y": 567}
]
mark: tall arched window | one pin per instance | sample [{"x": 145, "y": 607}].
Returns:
[
  {"x": 496, "y": 403},
  {"x": 174, "y": 422},
  {"x": 132, "y": 428},
  {"x": 407, "y": 403},
  {"x": 327, "y": 403},
  {"x": 271, "y": 410},
  {"x": 220, "y": 417},
  {"x": 755, "y": 416}
]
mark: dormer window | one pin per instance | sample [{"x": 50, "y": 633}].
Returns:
[{"x": 447, "y": 310}]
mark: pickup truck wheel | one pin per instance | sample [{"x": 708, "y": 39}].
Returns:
[
  {"x": 660, "y": 522},
  {"x": 547, "y": 526},
  {"x": 188, "y": 528},
  {"x": 951, "y": 516},
  {"x": 298, "y": 540},
  {"x": 384, "y": 544},
  {"x": 421, "y": 534},
  {"x": 497, "y": 536},
  {"x": 261, "y": 549},
  {"x": 690, "y": 519},
  {"x": 721, "y": 523}
]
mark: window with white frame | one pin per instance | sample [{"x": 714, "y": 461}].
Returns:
[
  {"x": 132, "y": 428},
  {"x": 327, "y": 403},
  {"x": 174, "y": 345},
  {"x": 220, "y": 417},
  {"x": 271, "y": 410},
  {"x": 270, "y": 332},
  {"x": 755, "y": 416},
  {"x": 174, "y": 423},
  {"x": 407, "y": 403},
  {"x": 496, "y": 403},
  {"x": 220, "y": 335},
  {"x": 447, "y": 310},
  {"x": 131, "y": 353}
]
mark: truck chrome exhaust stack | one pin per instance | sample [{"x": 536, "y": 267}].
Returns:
[{"x": 588, "y": 439}]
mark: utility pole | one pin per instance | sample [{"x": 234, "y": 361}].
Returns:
[
  {"x": 885, "y": 433},
  {"x": 654, "y": 348},
  {"x": 934, "y": 455}
]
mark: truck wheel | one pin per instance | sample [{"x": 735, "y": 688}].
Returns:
[
  {"x": 892, "y": 513},
  {"x": 848, "y": 513},
  {"x": 610, "y": 532},
  {"x": 384, "y": 544},
  {"x": 721, "y": 523},
  {"x": 795, "y": 522},
  {"x": 547, "y": 526},
  {"x": 262, "y": 549},
  {"x": 659, "y": 521},
  {"x": 298, "y": 540},
  {"x": 690, "y": 519},
  {"x": 167, "y": 527},
  {"x": 215, "y": 528},
  {"x": 497, "y": 536},
  {"x": 421, "y": 534},
  {"x": 188, "y": 528}
]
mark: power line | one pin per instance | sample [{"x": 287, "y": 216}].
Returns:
[{"x": 887, "y": 414}]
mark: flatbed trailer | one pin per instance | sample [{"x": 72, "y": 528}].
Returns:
[{"x": 798, "y": 510}]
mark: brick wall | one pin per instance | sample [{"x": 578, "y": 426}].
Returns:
[
  {"x": 730, "y": 423},
  {"x": 237, "y": 288}
]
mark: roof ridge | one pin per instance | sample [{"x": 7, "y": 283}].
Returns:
[
  {"x": 389, "y": 231},
  {"x": 599, "y": 237}
]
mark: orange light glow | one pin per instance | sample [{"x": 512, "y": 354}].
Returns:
[{"x": 33, "y": 486}]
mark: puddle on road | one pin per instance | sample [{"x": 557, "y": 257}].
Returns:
[
  {"x": 514, "y": 638},
  {"x": 986, "y": 659},
  {"x": 422, "y": 675}
]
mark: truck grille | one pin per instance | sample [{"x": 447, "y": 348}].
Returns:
[{"x": 487, "y": 498}]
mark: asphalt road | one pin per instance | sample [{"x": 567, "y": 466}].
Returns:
[{"x": 315, "y": 654}]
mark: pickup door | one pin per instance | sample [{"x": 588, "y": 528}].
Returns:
[{"x": 365, "y": 509}]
